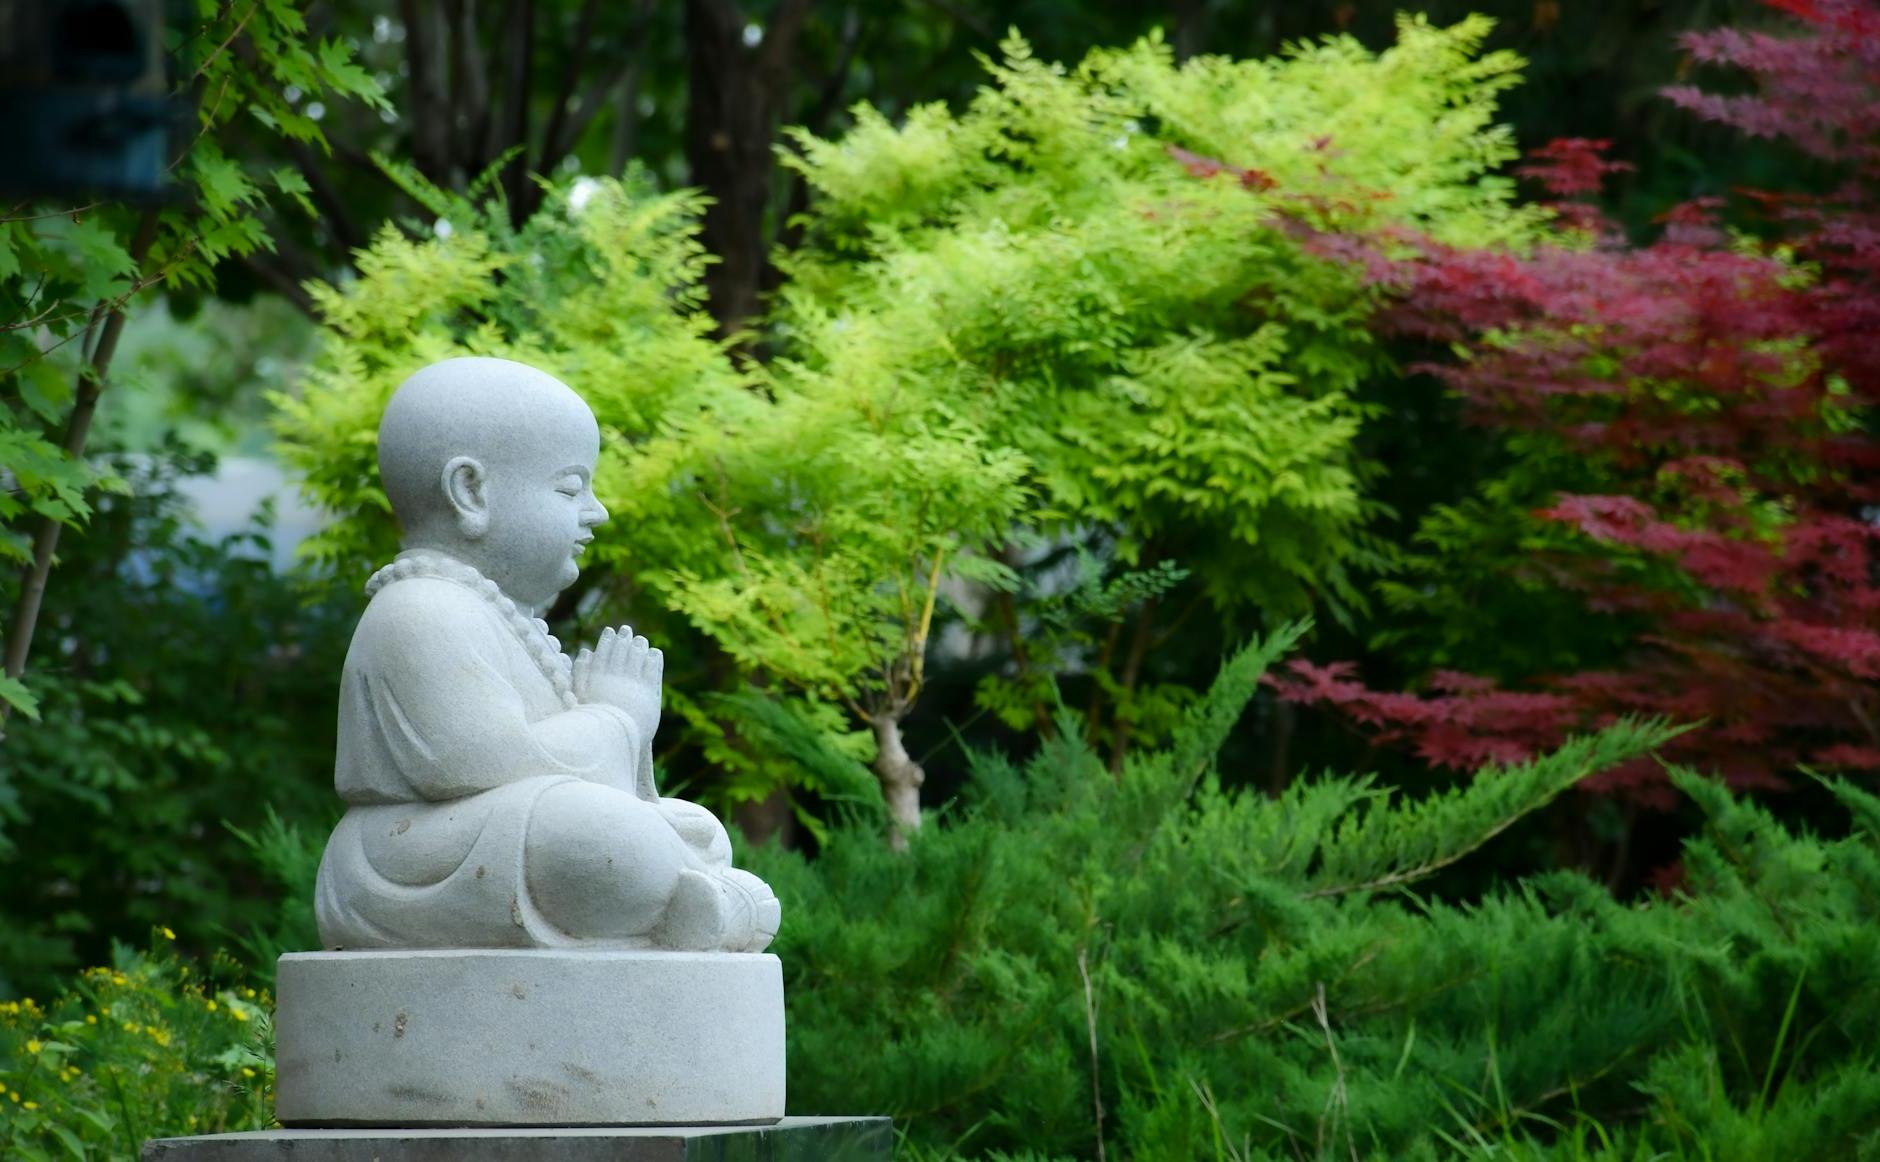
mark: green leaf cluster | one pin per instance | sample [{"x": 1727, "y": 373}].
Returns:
[
  {"x": 64, "y": 271},
  {"x": 1177, "y": 369},
  {"x": 802, "y": 531}
]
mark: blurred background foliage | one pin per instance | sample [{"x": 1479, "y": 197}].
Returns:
[{"x": 974, "y": 377}]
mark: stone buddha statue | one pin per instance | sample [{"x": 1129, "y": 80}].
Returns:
[{"x": 500, "y": 794}]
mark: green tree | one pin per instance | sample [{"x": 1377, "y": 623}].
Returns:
[
  {"x": 68, "y": 275},
  {"x": 1022, "y": 325},
  {"x": 1180, "y": 373}
]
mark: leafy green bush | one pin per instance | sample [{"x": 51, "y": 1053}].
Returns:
[
  {"x": 146, "y": 1048},
  {"x": 184, "y": 686},
  {"x": 1174, "y": 970}
]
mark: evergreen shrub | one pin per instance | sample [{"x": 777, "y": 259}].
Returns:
[{"x": 1076, "y": 965}]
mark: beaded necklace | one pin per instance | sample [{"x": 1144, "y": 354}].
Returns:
[{"x": 532, "y": 632}]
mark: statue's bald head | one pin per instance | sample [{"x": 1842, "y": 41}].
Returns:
[
  {"x": 493, "y": 462},
  {"x": 489, "y": 409}
]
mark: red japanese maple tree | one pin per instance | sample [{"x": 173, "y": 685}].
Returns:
[{"x": 1721, "y": 388}]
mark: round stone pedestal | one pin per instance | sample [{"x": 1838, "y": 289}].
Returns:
[{"x": 528, "y": 1038}]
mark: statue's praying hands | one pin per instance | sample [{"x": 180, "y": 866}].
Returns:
[
  {"x": 499, "y": 794},
  {"x": 623, "y": 671}
]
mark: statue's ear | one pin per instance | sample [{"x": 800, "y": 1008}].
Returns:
[{"x": 464, "y": 489}]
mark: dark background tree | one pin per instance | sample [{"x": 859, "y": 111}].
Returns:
[{"x": 696, "y": 92}]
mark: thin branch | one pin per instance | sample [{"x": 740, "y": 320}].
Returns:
[
  {"x": 176, "y": 260},
  {"x": 1407, "y": 875},
  {"x": 73, "y": 212},
  {"x": 917, "y": 659},
  {"x": 346, "y": 229},
  {"x": 281, "y": 283},
  {"x": 1132, "y": 671},
  {"x": 1339, "y": 1097},
  {"x": 1090, "y": 1022},
  {"x": 223, "y": 47},
  {"x": 1300, "y": 1010}
]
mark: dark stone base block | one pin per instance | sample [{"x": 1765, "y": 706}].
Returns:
[{"x": 791, "y": 1140}]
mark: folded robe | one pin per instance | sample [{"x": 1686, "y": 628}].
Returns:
[{"x": 455, "y": 715}]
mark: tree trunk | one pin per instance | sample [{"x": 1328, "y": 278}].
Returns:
[
  {"x": 1132, "y": 671},
  {"x": 735, "y": 95},
  {"x": 77, "y": 428},
  {"x": 762, "y": 820},
  {"x": 901, "y": 778}
]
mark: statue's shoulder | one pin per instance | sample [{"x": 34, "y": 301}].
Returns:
[{"x": 415, "y": 606}]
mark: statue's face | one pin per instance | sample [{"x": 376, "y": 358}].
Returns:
[{"x": 541, "y": 511}]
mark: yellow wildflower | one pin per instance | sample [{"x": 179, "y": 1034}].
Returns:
[
  {"x": 249, "y": 993},
  {"x": 15, "y": 1096},
  {"x": 32, "y": 1105},
  {"x": 34, "y": 1046},
  {"x": 238, "y": 1014},
  {"x": 91, "y": 1018},
  {"x": 247, "y": 1072},
  {"x": 167, "y": 934},
  {"x": 130, "y": 1026},
  {"x": 212, "y": 1006},
  {"x": 120, "y": 978}
]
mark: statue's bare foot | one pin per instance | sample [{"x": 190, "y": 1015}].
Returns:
[
  {"x": 729, "y": 910},
  {"x": 695, "y": 916},
  {"x": 755, "y": 912}
]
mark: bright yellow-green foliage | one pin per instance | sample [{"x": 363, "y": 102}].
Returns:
[
  {"x": 140, "y": 1050},
  {"x": 805, "y": 531},
  {"x": 1025, "y": 323},
  {"x": 1173, "y": 365}
]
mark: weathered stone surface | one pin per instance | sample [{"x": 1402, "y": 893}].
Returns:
[
  {"x": 791, "y": 1140},
  {"x": 528, "y": 1037}
]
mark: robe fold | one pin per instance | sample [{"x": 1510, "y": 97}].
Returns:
[{"x": 450, "y": 729}]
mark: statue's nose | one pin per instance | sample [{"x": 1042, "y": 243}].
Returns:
[{"x": 595, "y": 514}]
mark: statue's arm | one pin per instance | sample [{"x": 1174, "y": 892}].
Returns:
[{"x": 430, "y": 657}]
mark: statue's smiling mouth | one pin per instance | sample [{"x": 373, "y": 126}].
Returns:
[{"x": 581, "y": 545}]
